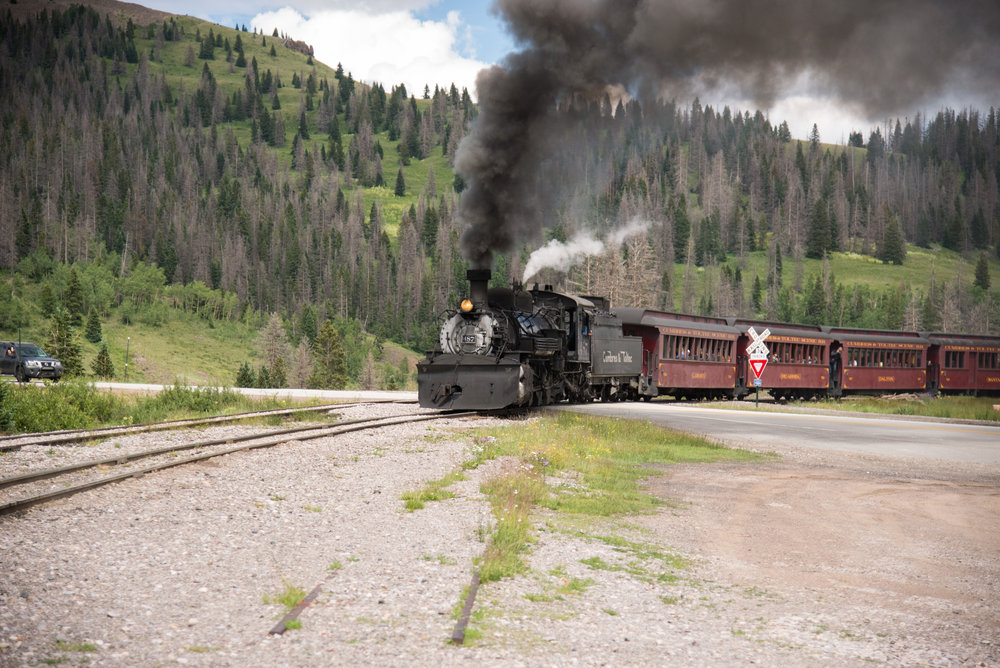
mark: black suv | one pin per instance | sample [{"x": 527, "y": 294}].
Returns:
[{"x": 26, "y": 361}]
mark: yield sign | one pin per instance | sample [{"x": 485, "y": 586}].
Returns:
[{"x": 757, "y": 365}]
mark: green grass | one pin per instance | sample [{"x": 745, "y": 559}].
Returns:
[
  {"x": 576, "y": 586},
  {"x": 187, "y": 349},
  {"x": 612, "y": 457},
  {"x": 850, "y": 269},
  {"x": 75, "y": 404},
  {"x": 436, "y": 490},
  {"x": 964, "y": 408},
  {"x": 512, "y": 495},
  {"x": 290, "y": 596},
  {"x": 65, "y": 646}
]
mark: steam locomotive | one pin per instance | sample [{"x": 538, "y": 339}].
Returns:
[{"x": 509, "y": 347}]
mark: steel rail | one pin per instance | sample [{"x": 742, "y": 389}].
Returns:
[
  {"x": 77, "y": 435},
  {"x": 35, "y": 476},
  {"x": 265, "y": 441}
]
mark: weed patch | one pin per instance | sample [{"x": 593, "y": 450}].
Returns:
[
  {"x": 289, "y": 597},
  {"x": 76, "y": 404},
  {"x": 436, "y": 490}
]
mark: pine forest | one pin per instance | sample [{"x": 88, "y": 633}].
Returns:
[{"x": 182, "y": 167}]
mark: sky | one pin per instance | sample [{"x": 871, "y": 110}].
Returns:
[
  {"x": 439, "y": 42},
  {"x": 413, "y": 42}
]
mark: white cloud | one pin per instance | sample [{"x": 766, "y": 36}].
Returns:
[
  {"x": 216, "y": 7},
  {"x": 390, "y": 48}
]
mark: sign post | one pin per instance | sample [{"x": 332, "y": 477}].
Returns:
[{"x": 758, "y": 353}]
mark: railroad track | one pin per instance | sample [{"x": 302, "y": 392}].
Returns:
[
  {"x": 78, "y": 477},
  {"x": 14, "y": 442}
]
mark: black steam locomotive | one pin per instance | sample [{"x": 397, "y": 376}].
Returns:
[{"x": 508, "y": 347}]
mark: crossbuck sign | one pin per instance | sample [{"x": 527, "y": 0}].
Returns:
[
  {"x": 757, "y": 345},
  {"x": 758, "y": 351}
]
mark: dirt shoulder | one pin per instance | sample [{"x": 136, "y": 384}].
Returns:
[{"x": 902, "y": 555}]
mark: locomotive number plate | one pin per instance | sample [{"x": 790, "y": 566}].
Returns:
[{"x": 469, "y": 338}]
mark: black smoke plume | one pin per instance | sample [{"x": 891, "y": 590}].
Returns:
[{"x": 881, "y": 55}]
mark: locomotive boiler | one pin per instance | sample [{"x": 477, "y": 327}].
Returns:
[{"x": 507, "y": 347}]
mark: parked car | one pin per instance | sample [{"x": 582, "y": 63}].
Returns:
[{"x": 25, "y": 361}]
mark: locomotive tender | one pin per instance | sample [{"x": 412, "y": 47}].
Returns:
[{"x": 509, "y": 347}]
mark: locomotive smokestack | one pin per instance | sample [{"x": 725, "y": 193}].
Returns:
[{"x": 478, "y": 281}]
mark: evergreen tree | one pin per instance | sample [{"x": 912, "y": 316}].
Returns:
[
  {"x": 982, "y": 272},
  {"x": 245, "y": 377},
  {"x": 102, "y": 366},
  {"x": 784, "y": 132},
  {"x": 400, "y": 183},
  {"x": 263, "y": 377},
  {"x": 278, "y": 373},
  {"x": 818, "y": 236},
  {"x": 893, "y": 246},
  {"x": 786, "y": 305},
  {"x": 330, "y": 369},
  {"x": 814, "y": 308},
  {"x": 895, "y": 308},
  {"x": 430, "y": 228},
  {"x": 241, "y": 60},
  {"x": 93, "y": 331},
  {"x": 62, "y": 343},
  {"x": 303, "y": 124},
  {"x": 272, "y": 341},
  {"x": 307, "y": 323},
  {"x": 46, "y": 301},
  {"x": 979, "y": 230},
  {"x": 682, "y": 230},
  {"x": 73, "y": 298},
  {"x": 336, "y": 144},
  {"x": 814, "y": 138},
  {"x": 207, "y": 51},
  {"x": 929, "y": 316}
]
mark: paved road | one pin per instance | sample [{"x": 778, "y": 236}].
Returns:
[{"x": 880, "y": 435}]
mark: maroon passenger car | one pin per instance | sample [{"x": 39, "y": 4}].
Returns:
[
  {"x": 961, "y": 364},
  {"x": 875, "y": 361},
  {"x": 689, "y": 357},
  {"x": 799, "y": 361}
]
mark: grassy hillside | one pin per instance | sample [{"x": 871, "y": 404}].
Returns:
[
  {"x": 185, "y": 349},
  {"x": 285, "y": 63}
]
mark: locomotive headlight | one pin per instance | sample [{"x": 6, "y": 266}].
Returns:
[{"x": 466, "y": 305}]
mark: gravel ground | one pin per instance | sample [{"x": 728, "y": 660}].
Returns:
[{"x": 175, "y": 568}]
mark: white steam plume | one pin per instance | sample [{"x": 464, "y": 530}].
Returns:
[{"x": 561, "y": 255}]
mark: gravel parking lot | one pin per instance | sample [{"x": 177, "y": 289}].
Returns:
[{"x": 803, "y": 560}]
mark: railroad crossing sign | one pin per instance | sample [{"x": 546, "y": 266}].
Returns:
[
  {"x": 757, "y": 345},
  {"x": 758, "y": 352}
]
